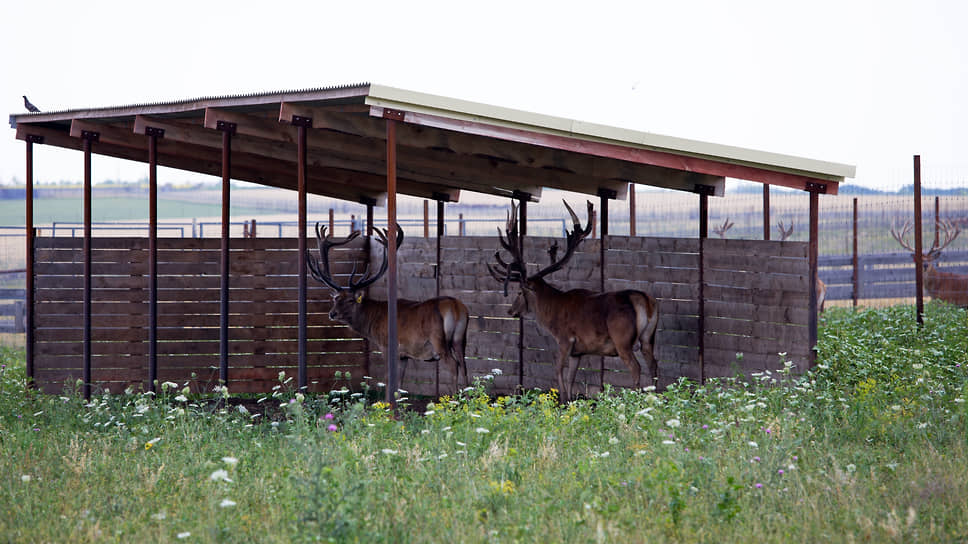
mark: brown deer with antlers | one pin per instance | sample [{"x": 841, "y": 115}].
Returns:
[
  {"x": 581, "y": 321},
  {"x": 821, "y": 286},
  {"x": 429, "y": 330},
  {"x": 947, "y": 286}
]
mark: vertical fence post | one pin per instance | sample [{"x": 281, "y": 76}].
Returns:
[
  {"x": 766, "y": 211},
  {"x": 437, "y": 264},
  {"x": 918, "y": 243},
  {"x": 426, "y": 206},
  {"x": 855, "y": 277},
  {"x": 631, "y": 209},
  {"x": 604, "y": 195}
]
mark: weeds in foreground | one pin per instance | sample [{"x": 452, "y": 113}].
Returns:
[{"x": 870, "y": 445}]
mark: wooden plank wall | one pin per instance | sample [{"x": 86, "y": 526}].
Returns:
[
  {"x": 263, "y": 320},
  {"x": 757, "y": 295},
  {"x": 756, "y": 300}
]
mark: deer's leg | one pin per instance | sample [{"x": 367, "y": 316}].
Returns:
[
  {"x": 443, "y": 351},
  {"x": 648, "y": 351},
  {"x": 628, "y": 357},
  {"x": 572, "y": 371},
  {"x": 564, "y": 358}
]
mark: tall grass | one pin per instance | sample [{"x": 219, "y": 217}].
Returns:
[{"x": 871, "y": 446}]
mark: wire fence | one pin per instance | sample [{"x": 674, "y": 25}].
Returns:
[{"x": 885, "y": 269}]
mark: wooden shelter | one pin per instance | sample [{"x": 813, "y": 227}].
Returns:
[{"x": 367, "y": 143}]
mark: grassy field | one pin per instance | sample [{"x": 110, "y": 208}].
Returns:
[
  {"x": 49, "y": 210},
  {"x": 870, "y": 446}
]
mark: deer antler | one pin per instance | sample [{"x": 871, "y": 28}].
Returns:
[
  {"x": 785, "y": 232},
  {"x": 721, "y": 230},
  {"x": 511, "y": 242},
  {"x": 950, "y": 233},
  {"x": 572, "y": 240},
  {"x": 320, "y": 269}
]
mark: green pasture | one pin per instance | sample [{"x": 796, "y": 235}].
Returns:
[{"x": 871, "y": 446}]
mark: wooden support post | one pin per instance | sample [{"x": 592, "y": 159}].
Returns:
[
  {"x": 766, "y": 211},
  {"x": 392, "y": 351},
  {"x": 604, "y": 195},
  {"x": 303, "y": 125},
  {"x": 437, "y": 264},
  {"x": 89, "y": 139},
  {"x": 855, "y": 276},
  {"x": 228, "y": 129},
  {"x": 918, "y": 242},
  {"x": 332, "y": 222}
]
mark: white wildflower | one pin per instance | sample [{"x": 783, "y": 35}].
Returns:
[
  {"x": 220, "y": 475},
  {"x": 183, "y": 536},
  {"x": 672, "y": 423},
  {"x": 851, "y": 468},
  {"x": 168, "y": 385},
  {"x": 231, "y": 461},
  {"x": 26, "y": 478},
  {"x": 388, "y": 451},
  {"x": 159, "y": 516},
  {"x": 183, "y": 398},
  {"x": 753, "y": 444},
  {"x": 668, "y": 442},
  {"x": 497, "y": 371},
  {"x": 481, "y": 430},
  {"x": 959, "y": 400},
  {"x": 613, "y": 440},
  {"x": 226, "y": 503}
]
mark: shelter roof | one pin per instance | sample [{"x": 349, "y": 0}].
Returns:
[{"x": 444, "y": 145}]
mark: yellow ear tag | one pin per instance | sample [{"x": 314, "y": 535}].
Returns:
[{"x": 359, "y": 298}]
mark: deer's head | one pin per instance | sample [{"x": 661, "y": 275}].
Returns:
[
  {"x": 516, "y": 269},
  {"x": 347, "y": 301},
  {"x": 947, "y": 233}
]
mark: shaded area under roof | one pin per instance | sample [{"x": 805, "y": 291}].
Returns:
[{"x": 444, "y": 145}]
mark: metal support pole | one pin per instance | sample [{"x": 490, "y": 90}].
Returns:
[
  {"x": 703, "y": 234},
  {"x": 812, "y": 257},
  {"x": 89, "y": 139},
  {"x": 369, "y": 219},
  {"x": 153, "y": 135},
  {"x": 303, "y": 379},
  {"x": 223, "y": 369},
  {"x": 937, "y": 220},
  {"x": 603, "y": 196},
  {"x": 426, "y": 219},
  {"x": 29, "y": 226},
  {"x": 522, "y": 230},
  {"x": 855, "y": 277},
  {"x": 332, "y": 222},
  {"x": 366, "y": 251},
  {"x": 918, "y": 242},
  {"x": 392, "y": 352},
  {"x": 766, "y": 211},
  {"x": 632, "y": 209},
  {"x": 437, "y": 263}
]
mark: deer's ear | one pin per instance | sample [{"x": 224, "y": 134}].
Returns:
[{"x": 359, "y": 298}]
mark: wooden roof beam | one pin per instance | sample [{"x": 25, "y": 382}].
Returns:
[
  {"x": 284, "y": 150},
  {"x": 202, "y": 160}
]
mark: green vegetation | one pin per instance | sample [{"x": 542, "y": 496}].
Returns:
[{"x": 870, "y": 446}]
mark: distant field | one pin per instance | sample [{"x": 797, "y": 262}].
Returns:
[{"x": 49, "y": 210}]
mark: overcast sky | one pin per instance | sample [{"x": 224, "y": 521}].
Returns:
[{"x": 868, "y": 83}]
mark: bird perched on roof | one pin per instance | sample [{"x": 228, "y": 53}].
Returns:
[{"x": 29, "y": 106}]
